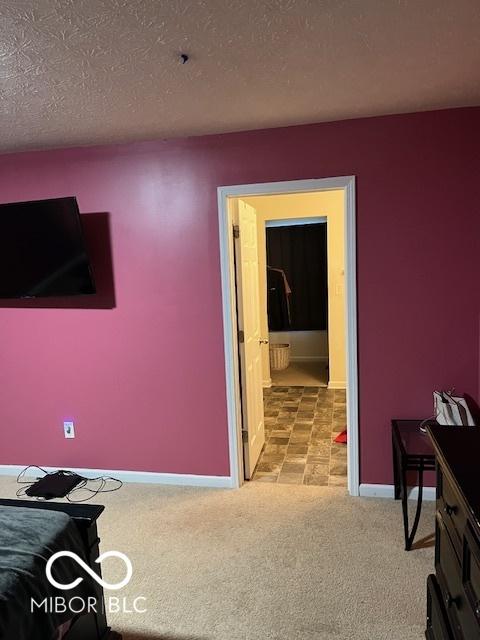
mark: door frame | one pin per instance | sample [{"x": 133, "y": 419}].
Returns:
[{"x": 227, "y": 271}]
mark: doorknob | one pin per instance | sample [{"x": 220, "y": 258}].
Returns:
[{"x": 263, "y": 341}]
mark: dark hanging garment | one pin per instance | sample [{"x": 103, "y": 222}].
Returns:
[
  {"x": 277, "y": 301},
  {"x": 300, "y": 251}
]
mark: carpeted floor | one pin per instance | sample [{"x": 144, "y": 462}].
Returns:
[{"x": 267, "y": 562}]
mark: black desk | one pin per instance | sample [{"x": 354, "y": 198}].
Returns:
[{"x": 412, "y": 451}]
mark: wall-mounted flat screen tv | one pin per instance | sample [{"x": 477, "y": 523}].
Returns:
[{"x": 42, "y": 250}]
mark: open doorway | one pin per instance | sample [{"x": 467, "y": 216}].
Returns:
[
  {"x": 295, "y": 421},
  {"x": 296, "y": 298},
  {"x": 296, "y": 279}
]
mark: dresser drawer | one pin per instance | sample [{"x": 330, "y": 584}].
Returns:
[
  {"x": 458, "y": 607},
  {"x": 471, "y": 570},
  {"x": 438, "y": 626},
  {"x": 449, "y": 575},
  {"x": 452, "y": 511}
]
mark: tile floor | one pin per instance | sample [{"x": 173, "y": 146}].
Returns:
[{"x": 300, "y": 425}]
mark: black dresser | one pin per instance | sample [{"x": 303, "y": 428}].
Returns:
[{"x": 453, "y": 593}]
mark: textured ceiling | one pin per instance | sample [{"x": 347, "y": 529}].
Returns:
[{"x": 91, "y": 71}]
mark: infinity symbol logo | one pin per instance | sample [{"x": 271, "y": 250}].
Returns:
[{"x": 91, "y": 573}]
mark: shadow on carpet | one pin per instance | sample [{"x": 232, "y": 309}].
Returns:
[
  {"x": 424, "y": 543},
  {"x": 147, "y": 636}
]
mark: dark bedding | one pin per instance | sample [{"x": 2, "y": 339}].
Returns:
[{"x": 28, "y": 538}]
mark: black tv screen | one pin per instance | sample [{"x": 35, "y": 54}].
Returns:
[{"x": 42, "y": 250}]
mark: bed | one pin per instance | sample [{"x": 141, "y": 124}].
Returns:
[{"x": 30, "y": 533}]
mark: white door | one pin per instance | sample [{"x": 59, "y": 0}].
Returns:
[{"x": 248, "y": 306}]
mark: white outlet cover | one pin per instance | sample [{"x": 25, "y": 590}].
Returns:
[{"x": 69, "y": 429}]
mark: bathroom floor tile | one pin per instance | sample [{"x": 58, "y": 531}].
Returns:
[
  {"x": 281, "y": 433},
  {"x": 269, "y": 467},
  {"x": 316, "y": 469},
  {"x": 265, "y": 477},
  {"x": 297, "y": 457},
  {"x": 316, "y": 480},
  {"x": 300, "y": 437},
  {"x": 274, "y": 448},
  {"x": 300, "y": 425},
  {"x": 290, "y": 478},
  {"x": 297, "y": 448},
  {"x": 337, "y": 481},
  {"x": 293, "y": 467},
  {"x": 337, "y": 468},
  {"x": 273, "y": 457},
  {"x": 313, "y": 459}
]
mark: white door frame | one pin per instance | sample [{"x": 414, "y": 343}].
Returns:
[{"x": 227, "y": 267}]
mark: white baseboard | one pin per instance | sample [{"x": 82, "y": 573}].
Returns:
[
  {"x": 150, "y": 477},
  {"x": 337, "y": 385},
  {"x": 308, "y": 358},
  {"x": 386, "y": 491}
]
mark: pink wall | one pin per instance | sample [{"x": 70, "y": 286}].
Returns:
[{"x": 144, "y": 381}]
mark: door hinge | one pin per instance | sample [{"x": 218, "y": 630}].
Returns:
[
  {"x": 245, "y": 436},
  {"x": 241, "y": 336},
  {"x": 236, "y": 231}
]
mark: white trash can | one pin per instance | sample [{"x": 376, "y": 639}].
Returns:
[{"x": 279, "y": 356}]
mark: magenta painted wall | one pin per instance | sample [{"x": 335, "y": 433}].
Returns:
[{"x": 144, "y": 381}]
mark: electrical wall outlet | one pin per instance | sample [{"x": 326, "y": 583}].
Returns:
[{"x": 69, "y": 429}]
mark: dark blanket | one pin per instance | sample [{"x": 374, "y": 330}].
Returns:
[{"x": 28, "y": 538}]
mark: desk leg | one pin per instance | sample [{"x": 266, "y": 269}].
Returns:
[
  {"x": 409, "y": 537},
  {"x": 396, "y": 470},
  {"x": 419, "y": 508}
]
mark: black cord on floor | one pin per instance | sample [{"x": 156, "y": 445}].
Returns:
[
  {"x": 21, "y": 492},
  {"x": 82, "y": 486}
]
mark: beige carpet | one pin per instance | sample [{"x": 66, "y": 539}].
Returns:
[
  {"x": 267, "y": 562},
  {"x": 301, "y": 374}
]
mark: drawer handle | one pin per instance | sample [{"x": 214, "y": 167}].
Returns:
[
  {"x": 449, "y": 601},
  {"x": 449, "y": 509},
  {"x": 477, "y": 608}
]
